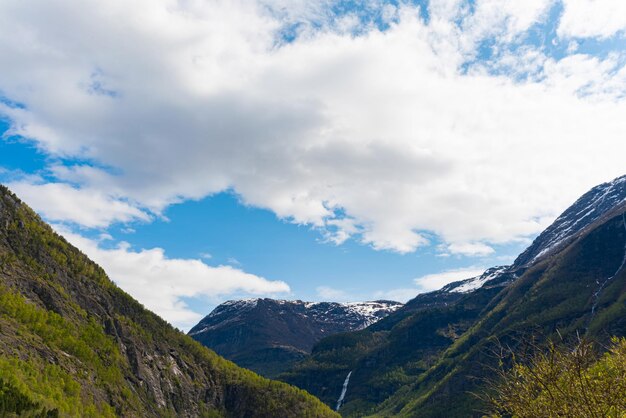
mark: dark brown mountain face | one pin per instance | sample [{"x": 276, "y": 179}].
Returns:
[
  {"x": 268, "y": 335},
  {"x": 427, "y": 358},
  {"x": 73, "y": 344}
]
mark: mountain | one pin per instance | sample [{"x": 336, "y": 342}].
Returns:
[
  {"x": 427, "y": 358},
  {"x": 73, "y": 344},
  {"x": 268, "y": 336},
  {"x": 584, "y": 213}
]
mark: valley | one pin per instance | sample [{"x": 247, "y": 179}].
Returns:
[{"x": 429, "y": 357}]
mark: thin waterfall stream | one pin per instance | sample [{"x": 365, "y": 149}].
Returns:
[
  {"x": 343, "y": 391},
  {"x": 596, "y": 295}
]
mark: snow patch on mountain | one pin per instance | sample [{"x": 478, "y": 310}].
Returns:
[
  {"x": 358, "y": 315},
  {"x": 589, "y": 208},
  {"x": 474, "y": 283},
  {"x": 372, "y": 312},
  {"x": 584, "y": 212},
  {"x": 471, "y": 284}
]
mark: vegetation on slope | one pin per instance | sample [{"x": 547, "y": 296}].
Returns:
[
  {"x": 427, "y": 363},
  {"x": 388, "y": 358},
  {"x": 74, "y": 344},
  {"x": 563, "y": 381},
  {"x": 553, "y": 299}
]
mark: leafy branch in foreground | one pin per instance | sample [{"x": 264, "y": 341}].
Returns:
[{"x": 562, "y": 381}]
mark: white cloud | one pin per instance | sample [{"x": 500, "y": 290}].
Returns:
[
  {"x": 330, "y": 294},
  {"x": 160, "y": 282},
  {"x": 436, "y": 281},
  {"x": 503, "y": 20},
  {"x": 470, "y": 249},
  {"x": 87, "y": 207},
  {"x": 592, "y": 18},
  {"x": 399, "y": 295},
  {"x": 233, "y": 261},
  {"x": 188, "y": 99},
  {"x": 429, "y": 283}
]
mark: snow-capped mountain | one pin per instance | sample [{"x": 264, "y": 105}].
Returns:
[
  {"x": 267, "y": 335},
  {"x": 603, "y": 200},
  {"x": 351, "y": 315},
  {"x": 489, "y": 276},
  {"x": 591, "y": 207}
]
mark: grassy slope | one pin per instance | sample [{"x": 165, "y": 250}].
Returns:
[
  {"x": 73, "y": 343},
  {"x": 385, "y": 360},
  {"x": 551, "y": 300}
]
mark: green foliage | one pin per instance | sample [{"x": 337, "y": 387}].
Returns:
[
  {"x": 41, "y": 389},
  {"x": 15, "y": 403},
  {"x": 86, "y": 342},
  {"x": 564, "y": 382},
  {"x": 74, "y": 344}
]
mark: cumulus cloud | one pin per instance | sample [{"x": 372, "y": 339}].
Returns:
[
  {"x": 399, "y": 295},
  {"x": 88, "y": 207},
  {"x": 592, "y": 18},
  {"x": 387, "y": 136},
  {"x": 470, "y": 249},
  {"x": 331, "y": 294},
  {"x": 436, "y": 281},
  {"x": 161, "y": 283}
]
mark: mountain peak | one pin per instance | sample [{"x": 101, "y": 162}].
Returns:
[
  {"x": 598, "y": 203},
  {"x": 601, "y": 202},
  {"x": 268, "y": 335},
  {"x": 355, "y": 315}
]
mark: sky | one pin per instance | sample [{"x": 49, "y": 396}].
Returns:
[{"x": 206, "y": 150}]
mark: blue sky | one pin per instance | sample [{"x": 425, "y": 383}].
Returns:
[{"x": 320, "y": 150}]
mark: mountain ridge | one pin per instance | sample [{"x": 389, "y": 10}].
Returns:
[
  {"x": 423, "y": 359},
  {"x": 602, "y": 201},
  {"x": 598, "y": 202},
  {"x": 267, "y": 335}
]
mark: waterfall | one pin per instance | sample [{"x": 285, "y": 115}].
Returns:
[
  {"x": 343, "y": 391},
  {"x": 596, "y": 295}
]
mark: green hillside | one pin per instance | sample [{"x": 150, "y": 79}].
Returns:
[{"x": 74, "y": 344}]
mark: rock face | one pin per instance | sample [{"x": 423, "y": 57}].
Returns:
[
  {"x": 73, "y": 344},
  {"x": 268, "y": 335},
  {"x": 428, "y": 356}
]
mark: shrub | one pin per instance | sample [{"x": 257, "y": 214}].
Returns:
[{"x": 563, "y": 381}]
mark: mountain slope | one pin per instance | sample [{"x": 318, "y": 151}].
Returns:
[
  {"x": 74, "y": 344},
  {"x": 268, "y": 336},
  {"x": 424, "y": 359},
  {"x": 585, "y": 212},
  {"x": 554, "y": 299}
]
